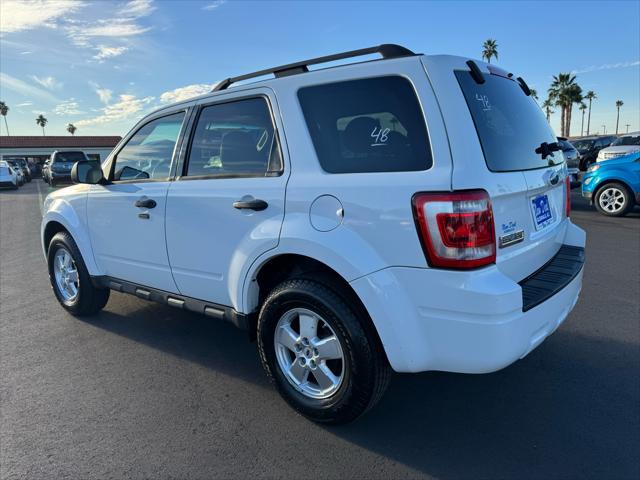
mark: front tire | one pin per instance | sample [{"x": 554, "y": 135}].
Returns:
[
  {"x": 324, "y": 362},
  {"x": 613, "y": 199},
  {"x": 70, "y": 279}
]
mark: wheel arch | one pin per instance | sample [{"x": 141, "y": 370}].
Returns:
[
  {"x": 277, "y": 268},
  {"x": 54, "y": 222}
]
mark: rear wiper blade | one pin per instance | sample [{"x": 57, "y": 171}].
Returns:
[{"x": 545, "y": 149}]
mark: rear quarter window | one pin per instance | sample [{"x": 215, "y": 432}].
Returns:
[{"x": 367, "y": 125}]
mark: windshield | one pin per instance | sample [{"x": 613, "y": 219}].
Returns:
[
  {"x": 510, "y": 124},
  {"x": 630, "y": 140},
  {"x": 584, "y": 145},
  {"x": 70, "y": 157}
]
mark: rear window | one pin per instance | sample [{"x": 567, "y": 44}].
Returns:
[
  {"x": 69, "y": 157},
  {"x": 369, "y": 125},
  {"x": 630, "y": 140},
  {"x": 510, "y": 124}
]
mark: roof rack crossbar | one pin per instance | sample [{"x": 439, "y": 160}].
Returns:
[{"x": 387, "y": 50}]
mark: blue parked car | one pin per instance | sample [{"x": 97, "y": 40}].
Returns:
[{"x": 613, "y": 186}]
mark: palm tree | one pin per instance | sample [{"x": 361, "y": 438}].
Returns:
[
  {"x": 41, "y": 121},
  {"x": 548, "y": 108},
  {"x": 489, "y": 50},
  {"x": 564, "y": 91},
  {"x": 574, "y": 95},
  {"x": 590, "y": 96},
  {"x": 71, "y": 128},
  {"x": 619, "y": 103},
  {"x": 534, "y": 94},
  {"x": 582, "y": 107},
  {"x": 4, "y": 109}
]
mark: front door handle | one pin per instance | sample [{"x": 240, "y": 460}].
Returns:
[
  {"x": 254, "y": 204},
  {"x": 145, "y": 202}
]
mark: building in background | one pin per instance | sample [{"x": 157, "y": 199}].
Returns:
[{"x": 37, "y": 149}]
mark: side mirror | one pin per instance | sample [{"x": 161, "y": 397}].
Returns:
[{"x": 86, "y": 171}]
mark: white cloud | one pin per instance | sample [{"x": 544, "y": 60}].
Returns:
[
  {"x": 24, "y": 104},
  {"x": 607, "y": 66},
  {"x": 184, "y": 93},
  {"x": 214, "y": 5},
  {"x": 47, "y": 82},
  {"x": 126, "y": 107},
  {"x": 16, "y": 16},
  {"x": 104, "y": 94},
  {"x": 25, "y": 89},
  {"x": 69, "y": 107},
  {"x": 137, "y": 8},
  {"x": 108, "y": 52}
]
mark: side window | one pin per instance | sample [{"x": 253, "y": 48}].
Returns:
[
  {"x": 369, "y": 125},
  {"x": 148, "y": 153},
  {"x": 235, "y": 138}
]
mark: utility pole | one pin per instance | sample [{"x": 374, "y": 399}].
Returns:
[
  {"x": 627, "y": 125},
  {"x": 604, "y": 128}
]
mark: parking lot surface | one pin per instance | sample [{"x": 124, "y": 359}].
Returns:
[{"x": 145, "y": 391}]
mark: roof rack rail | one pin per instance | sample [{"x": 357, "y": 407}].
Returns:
[{"x": 387, "y": 50}]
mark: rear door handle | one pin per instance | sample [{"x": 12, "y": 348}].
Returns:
[
  {"x": 255, "y": 204},
  {"x": 145, "y": 203}
]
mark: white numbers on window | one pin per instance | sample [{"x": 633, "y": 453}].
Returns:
[
  {"x": 484, "y": 100},
  {"x": 381, "y": 136}
]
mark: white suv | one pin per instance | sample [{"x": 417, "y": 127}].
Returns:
[{"x": 407, "y": 214}]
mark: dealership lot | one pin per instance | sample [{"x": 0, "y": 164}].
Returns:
[{"x": 145, "y": 391}]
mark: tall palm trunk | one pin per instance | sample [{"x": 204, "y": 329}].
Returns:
[
  {"x": 563, "y": 122},
  {"x": 589, "y": 118},
  {"x": 43, "y": 131},
  {"x": 617, "y": 120},
  {"x": 569, "y": 110},
  {"x": 582, "y": 124},
  {"x": 6, "y": 125}
]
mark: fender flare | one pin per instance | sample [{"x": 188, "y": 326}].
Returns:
[{"x": 63, "y": 213}]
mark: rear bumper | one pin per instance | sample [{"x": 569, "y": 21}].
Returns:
[
  {"x": 467, "y": 322},
  {"x": 7, "y": 184}
]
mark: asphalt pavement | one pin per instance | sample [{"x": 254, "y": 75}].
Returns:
[{"x": 146, "y": 391}]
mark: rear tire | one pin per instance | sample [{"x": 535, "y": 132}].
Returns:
[
  {"x": 72, "y": 284},
  {"x": 613, "y": 199},
  {"x": 345, "y": 370}
]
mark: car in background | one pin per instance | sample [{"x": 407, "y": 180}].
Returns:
[
  {"x": 623, "y": 145},
  {"x": 8, "y": 176},
  {"x": 589, "y": 147},
  {"x": 60, "y": 164},
  {"x": 572, "y": 157},
  {"x": 613, "y": 187},
  {"x": 21, "y": 165}
]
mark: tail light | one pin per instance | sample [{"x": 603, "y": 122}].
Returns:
[
  {"x": 567, "y": 196},
  {"x": 456, "y": 229}
]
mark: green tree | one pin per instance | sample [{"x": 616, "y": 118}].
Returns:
[
  {"x": 4, "y": 109},
  {"x": 619, "y": 103},
  {"x": 582, "y": 107},
  {"x": 564, "y": 92},
  {"x": 548, "y": 108},
  {"x": 489, "y": 50},
  {"x": 71, "y": 128},
  {"x": 590, "y": 96},
  {"x": 41, "y": 121},
  {"x": 534, "y": 94}
]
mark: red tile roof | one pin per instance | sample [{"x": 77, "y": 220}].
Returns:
[{"x": 57, "y": 142}]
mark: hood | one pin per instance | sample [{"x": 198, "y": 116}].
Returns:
[
  {"x": 621, "y": 149},
  {"x": 623, "y": 159}
]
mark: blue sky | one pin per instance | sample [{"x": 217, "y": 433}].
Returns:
[{"x": 102, "y": 65}]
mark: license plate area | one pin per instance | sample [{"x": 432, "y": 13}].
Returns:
[{"x": 541, "y": 210}]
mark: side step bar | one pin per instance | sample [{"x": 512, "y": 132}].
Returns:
[{"x": 213, "y": 310}]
